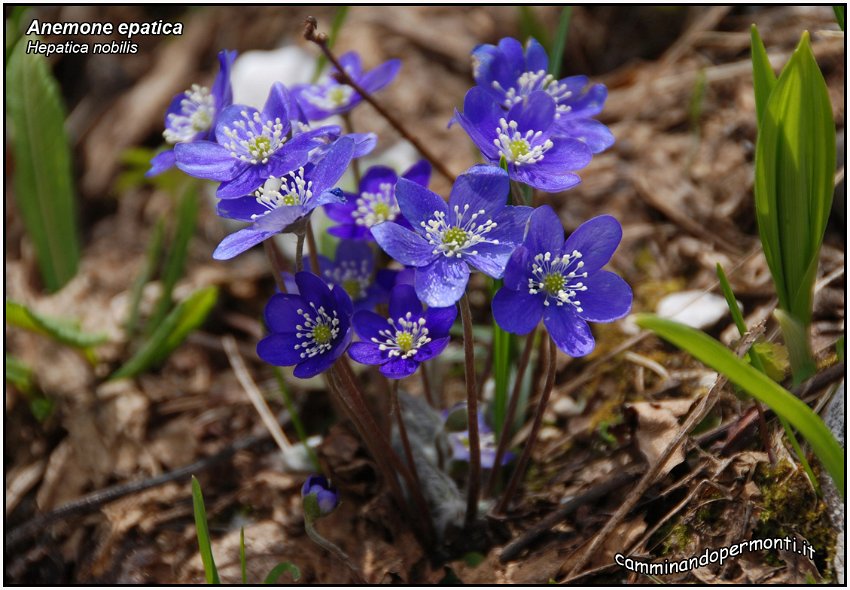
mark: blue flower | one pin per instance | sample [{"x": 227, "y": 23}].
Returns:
[
  {"x": 374, "y": 203},
  {"x": 192, "y": 115},
  {"x": 562, "y": 282},
  {"x": 509, "y": 75},
  {"x": 283, "y": 202},
  {"x": 327, "y": 496},
  {"x": 459, "y": 441},
  {"x": 330, "y": 97},
  {"x": 524, "y": 138},
  {"x": 475, "y": 229},
  {"x": 309, "y": 330},
  {"x": 353, "y": 270},
  {"x": 364, "y": 143},
  {"x": 409, "y": 337},
  {"x": 251, "y": 146}
]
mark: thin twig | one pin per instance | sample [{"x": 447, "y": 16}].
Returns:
[
  {"x": 321, "y": 39},
  {"x": 474, "y": 482}
]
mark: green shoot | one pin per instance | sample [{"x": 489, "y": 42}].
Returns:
[{"x": 202, "y": 528}]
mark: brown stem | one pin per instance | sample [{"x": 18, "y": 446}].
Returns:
[
  {"x": 321, "y": 39},
  {"x": 355, "y": 163},
  {"x": 276, "y": 262},
  {"x": 519, "y": 472},
  {"x": 426, "y": 385},
  {"x": 299, "y": 252},
  {"x": 471, "y": 412},
  {"x": 312, "y": 249},
  {"x": 402, "y": 433},
  {"x": 505, "y": 434}
]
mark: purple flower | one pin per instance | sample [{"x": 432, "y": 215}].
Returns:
[
  {"x": 476, "y": 228},
  {"x": 459, "y": 441},
  {"x": 364, "y": 143},
  {"x": 281, "y": 203},
  {"x": 326, "y": 495},
  {"x": 409, "y": 337},
  {"x": 374, "y": 203},
  {"x": 330, "y": 97},
  {"x": 509, "y": 75},
  {"x": 562, "y": 282},
  {"x": 353, "y": 270},
  {"x": 251, "y": 146},
  {"x": 192, "y": 115},
  {"x": 524, "y": 138},
  {"x": 309, "y": 330}
]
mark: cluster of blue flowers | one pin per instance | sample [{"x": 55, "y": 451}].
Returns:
[{"x": 276, "y": 165}]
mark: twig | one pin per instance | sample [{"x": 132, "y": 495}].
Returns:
[
  {"x": 95, "y": 500},
  {"x": 474, "y": 482},
  {"x": 321, "y": 39},
  {"x": 244, "y": 378}
]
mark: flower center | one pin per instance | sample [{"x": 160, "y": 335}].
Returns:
[
  {"x": 529, "y": 82},
  {"x": 555, "y": 276},
  {"x": 197, "y": 111},
  {"x": 353, "y": 276},
  {"x": 404, "y": 338},
  {"x": 378, "y": 207},
  {"x": 318, "y": 331},
  {"x": 455, "y": 239},
  {"x": 517, "y": 148},
  {"x": 329, "y": 95},
  {"x": 284, "y": 191},
  {"x": 253, "y": 139}
]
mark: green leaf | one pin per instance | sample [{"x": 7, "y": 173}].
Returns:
[
  {"x": 760, "y": 386},
  {"x": 473, "y": 558},
  {"x": 530, "y": 26},
  {"x": 187, "y": 214},
  {"x": 19, "y": 374},
  {"x": 277, "y": 570},
  {"x": 557, "y": 55},
  {"x": 184, "y": 318},
  {"x": 839, "y": 14},
  {"x": 336, "y": 25},
  {"x": 773, "y": 358},
  {"x": 501, "y": 368},
  {"x": 763, "y": 77},
  {"x": 797, "y": 342},
  {"x": 59, "y": 329},
  {"x": 201, "y": 526},
  {"x": 44, "y": 189},
  {"x": 243, "y": 563}
]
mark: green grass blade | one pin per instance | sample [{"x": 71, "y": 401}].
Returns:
[
  {"x": 763, "y": 77},
  {"x": 44, "y": 189},
  {"x": 737, "y": 317},
  {"x": 59, "y": 329},
  {"x": 839, "y": 10},
  {"x": 796, "y": 337},
  {"x": 336, "y": 24},
  {"x": 184, "y": 318},
  {"x": 711, "y": 352},
  {"x": 556, "y": 58},
  {"x": 152, "y": 257},
  {"x": 530, "y": 26},
  {"x": 501, "y": 368},
  {"x": 279, "y": 569},
  {"x": 187, "y": 215},
  {"x": 210, "y": 571},
  {"x": 243, "y": 563}
]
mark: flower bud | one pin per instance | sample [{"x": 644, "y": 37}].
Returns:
[{"x": 319, "y": 497}]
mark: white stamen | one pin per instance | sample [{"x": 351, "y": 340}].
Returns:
[
  {"x": 322, "y": 321},
  {"x": 549, "y": 272},
  {"x": 413, "y": 333},
  {"x": 375, "y": 208},
  {"x": 253, "y": 139},
  {"x": 517, "y": 148},
  {"x": 456, "y": 239},
  {"x": 197, "y": 111},
  {"x": 284, "y": 191}
]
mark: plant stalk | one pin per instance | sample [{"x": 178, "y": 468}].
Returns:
[{"x": 474, "y": 482}]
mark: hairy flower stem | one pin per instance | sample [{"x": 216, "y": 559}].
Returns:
[
  {"x": 402, "y": 433},
  {"x": 355, "y": 163},
  {"x": 519, "y": 472},
  {"x": 313, "y": 250},
  {"x": 474, "y": 482},
  {"x": 299, "y": 252},
  {"x": 321, "y": 39},
  {"x": 505, "y": 434},
  {"x": 333, "y": 550},
  {"x": 276, "y": 262},
  {"x": 426, "y": 386}
]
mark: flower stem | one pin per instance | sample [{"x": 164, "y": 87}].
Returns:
[
  {"x": 299, "y": 252},
  {"x": 426, "y": 385},
  {"x": 312, "y": 248},
  {"x": 276, "y": 262},
  {"x": 519, "y": 472},
  {"x": 321, "y": 39},
  {"x": 332, "y": 549},
  {"x": 402, "y": 433},
  {"x": 471, "y": 412},
  {"x": 355, "y": 163},
  {"x": 505, "y": 434}
]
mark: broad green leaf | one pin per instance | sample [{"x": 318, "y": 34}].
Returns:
[
  {"x": 279, "y": 569},
  {"x": 763, "y": 77},
  {"x": 336, "y": 24},
  {"x": 557, "y": 56},
  {"x": 796, "y": 337},
  {"x": 59, "y": 329},
  {"x": 184, "y": 318},
  {"x": 187, "y": 214},
  {"x": 243, "y": 563},
  {"x": 210, "y": 571},
  {"x": 44, "y": 189},
  {"x": 839, "y": 10},
  {"x": 787, "y": 406}
]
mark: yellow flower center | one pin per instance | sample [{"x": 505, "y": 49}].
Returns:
[{"x": 321, "y": 334}]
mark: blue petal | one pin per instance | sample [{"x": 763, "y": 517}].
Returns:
[
  {"x": 480, "y": 119},
  {"x": 351, "y": 232},
  {"x": 245, "y": 183},
  {"x": 332, "y": 196},
  {"x": 535, "y": 57},
  {"x": 590, "y": 131},
  {"x": 439, "y": 320},
  {"x": 566, "y": 154},
  {"x": 491, "y": 259},
  {"x": 313, "y": 366},
  {"x": 333, "y": 165},
  {"x": 443, "y": 282},
  {"x": 402, "y": 244},
  {"x": 228, "y": 117},
  {"x": 355, "y": 253},
  {"x": 294, "y": 153},
  {"x": 590, "y": 103},
  {"x": 420, "y": 172},
  {"x": 380, "y": 76},
  {"x": 281, "y": 313},
  {"x": 279, "y": 349},
  {"x": 608, "y": 298},
  {"x": 517, "y": 312},
  {"x": 366, "y": 353},
  {"x": 314, "y": 290},
  {"x": 205, "y": 159},
  {"x": 399, "y": 368},
  {"x": 417, "y": 203},
  {"x": 342, "y": 212},
  {"x": 221, "y": 89},
  {"x": 547, "y": 181},
  {"x": 364, "y": 143},
  {"x": 277, "y": 220},
  {"x": 545, "y": 231},
  {"x": 277, "y": 106},
  {"x": 482, "y": 187},
  {"x": 431, "y": 349},
  {"x": 238, "y": 242},
  {"x": 596, "y": 239},
  {"x": 403, "y": 300},
  {"x": 242, "y": 208},
  {"x": 160, "y": 163},
  {"x": 518, "y": 268},
  {"x": 350, "y": 62},
  {"x": 368, "y": 325},
  {"x": 374, "y": 177},
  {"x": 535, "y": 113},
  {"x": 570, "y": 333},
  {"x": 343, "y": 302},
  {"x": 512, "y": 64}
]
